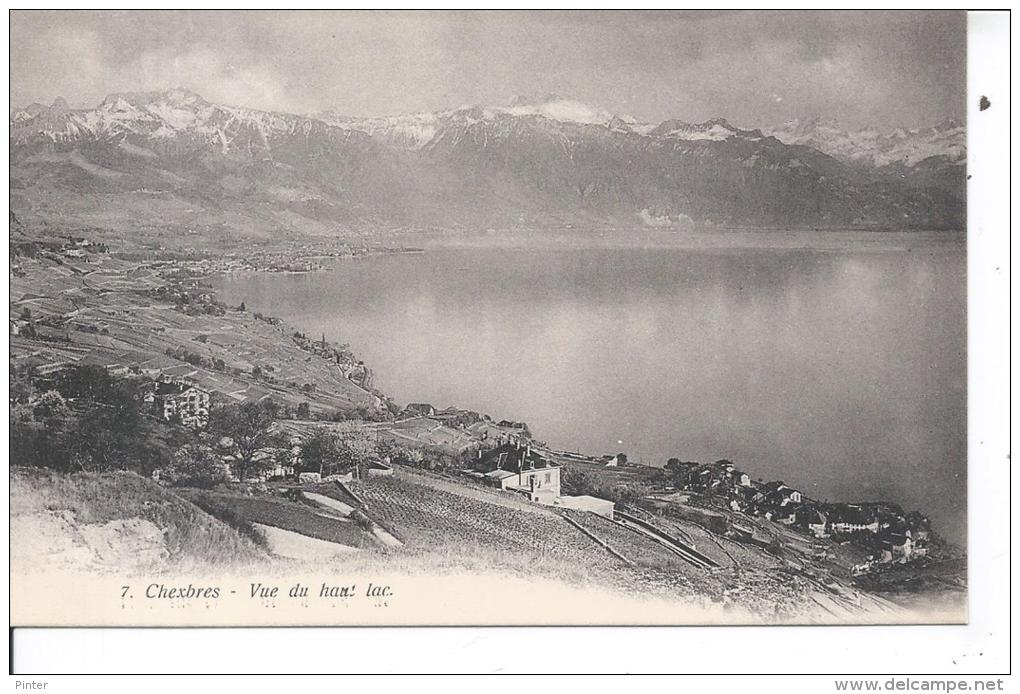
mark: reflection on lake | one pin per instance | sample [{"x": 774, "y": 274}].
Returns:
[{"x": 840, "y": 371}]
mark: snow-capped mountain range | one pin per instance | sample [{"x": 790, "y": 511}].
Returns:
[
  {"x": 867, "y": 146},
  {"x": 872, "y": 147},
  {"x": 155, "y": 117},
  {"x": 529, "y": 162}
]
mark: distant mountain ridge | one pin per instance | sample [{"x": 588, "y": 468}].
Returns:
[
  {"x": 534, "y": 163},
  {"x": 872, "y": 147}
]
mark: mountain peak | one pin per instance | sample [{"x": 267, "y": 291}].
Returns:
[
  {"x": 713, "y": 129},
  {"x": 178, "y": 97},
  {"x": 563, "y": 110},
  {"x": 871, "y": 146}
]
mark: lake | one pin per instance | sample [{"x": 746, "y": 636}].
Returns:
[{"x": 834, "y": 362}]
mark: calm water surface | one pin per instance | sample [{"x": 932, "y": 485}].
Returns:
[{"x": 839, "y": 370}]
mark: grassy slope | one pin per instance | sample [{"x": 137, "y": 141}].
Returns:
[
  {"x": 279, "y": 513},
  {"x": 192, "y": 537}
]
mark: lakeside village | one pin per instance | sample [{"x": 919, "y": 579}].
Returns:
[
  {"x": 181, "y": 263},
  {"x": 128, "y": 365}
]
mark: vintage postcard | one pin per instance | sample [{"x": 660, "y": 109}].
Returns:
[{"x": 488, "y": 318}]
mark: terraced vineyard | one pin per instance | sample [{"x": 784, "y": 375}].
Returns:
[
  {"x": 281, "y": 514},
  {"x": 638, "y": 548},
  {"x": 434, "y": 519},
  {"x": 445, "y": 526}
]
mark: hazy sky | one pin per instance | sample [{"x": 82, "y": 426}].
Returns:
[{"x": 884, "y": 69}]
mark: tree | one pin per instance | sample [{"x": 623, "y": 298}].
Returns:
[
  {"x": 580, "y": 482},
  {"x": 304, "y": 411},
  {"x": 241, "y": 307},
  {"x": 195, "y": 465},
  {"x": 336, "y": 449},
  {"x": 103, "y": 438},
  {"x": 21, "y": 386},
  {"x": 50, "y": 405},
  {"x": 403, "y": 455},
  {"x": 577, "y": 481},
  {"x": 95, "y": 384},
  {"x": 247, "y": 439},
  {"x": 319, "y": 451},
  {"x": 88, "y": 420},
  {"x": 94, "y": 447},
  {"x": 40, "y": 430}
]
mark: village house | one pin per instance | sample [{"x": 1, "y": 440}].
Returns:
[
  {"x": 739, "y": 479},
  {"x": 520, "y": 468},
  {"x": 787, "y": 515},
  {"x": 778, "y": 494},
  {"x": 814, "y": 521},
  {"x": 897, "y": 546},
  {"x": 418, "y": 409},
  {"x": 181, "y": 399},
  {"x": 683, "y": 472},
  {"x": 615, "y": 460},
  {"x": 279, "y": 471},
  {"x": 458, "y": 418},
  {"x": 703, "y": 480}
]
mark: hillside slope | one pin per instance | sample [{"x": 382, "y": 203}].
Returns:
[{"x": 118, "y": 523}]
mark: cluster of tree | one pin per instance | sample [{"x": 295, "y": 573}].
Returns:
[
  {"x": 272, "y": 320},
  {"x": 362, "y": 412},
  {"x": 242, "y": 441},
  {"x": 195, "y": 465},
  {"x": 355, "y": 413},
  {"x": 264, "y": 373},
  {"x": 84, "y": 419},
  {"x": 198, "y": 308},
  {"x": 81, "y": 418},
  {"x": 244, "y": 437},
  {"x": 578, "y": 482},
  {"x": 676, "y": 472},
  {"x": 336, "y": 450},
  {"x": 186, "y": 355},
  {"x": 428, "y": 457}
]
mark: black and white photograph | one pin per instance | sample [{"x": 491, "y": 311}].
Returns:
[{"x": 459, "y": 318}]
